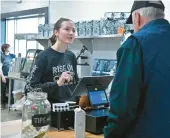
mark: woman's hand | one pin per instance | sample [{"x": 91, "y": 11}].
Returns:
[
  {"x": 3, "y": 79},
  {"x": 65, "y": 77}
]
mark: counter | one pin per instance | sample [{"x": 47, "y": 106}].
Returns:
[{"x": 12, "y": 129}]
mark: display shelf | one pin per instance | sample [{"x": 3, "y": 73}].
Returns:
[
  {"x": 26, "y": 36},
  {"x": 88, "y": 37},
  {"x": 43, "y": 41},
  {"x": 85, "y": 40},
  {"x": 99, "y": 36}
]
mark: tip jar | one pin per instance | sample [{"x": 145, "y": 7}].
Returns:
[{"x": 36, "y": 116}]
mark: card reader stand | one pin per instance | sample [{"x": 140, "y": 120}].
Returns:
[
  {"x": 81, "y": 88},
  {"x": 96, "y": 119}
]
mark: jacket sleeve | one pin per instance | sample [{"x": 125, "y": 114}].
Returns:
[
  {"x": 34, "y": 81},
  {"x": 13, "y": 55},
  {"x": 125, "y": 90}
]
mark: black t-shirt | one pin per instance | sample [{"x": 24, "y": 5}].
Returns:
[{"x": 47, "y": 69}]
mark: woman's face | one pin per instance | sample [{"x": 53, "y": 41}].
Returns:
[
  {"x": 7, "y": 50},
  {"x": 66, "y": 33}
]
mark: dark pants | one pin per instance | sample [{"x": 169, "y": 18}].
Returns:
[
  {"x": 4, "y": 90},
  {"x": 3, "y": 93}
]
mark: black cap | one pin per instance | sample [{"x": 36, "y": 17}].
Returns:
[{"x": 142, "y": 4}]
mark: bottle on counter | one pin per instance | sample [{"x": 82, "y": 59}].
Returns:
[
  {"x": 79, "y": 123},
  {"x": 36, "y": 116}
]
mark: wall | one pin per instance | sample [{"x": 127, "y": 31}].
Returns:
[
  {"x": 75, "y": 9},
  {"x": 12, "y": 5},
  {"x": 167, "y": 9},
  {"x": 86, "y": 10},
  {"x": 103, "y": 48}
]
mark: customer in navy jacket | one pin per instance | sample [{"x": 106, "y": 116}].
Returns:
[{"x": 140, "y": 93}]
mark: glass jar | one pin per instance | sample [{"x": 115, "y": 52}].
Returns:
[{"x": 36, "y": 116}]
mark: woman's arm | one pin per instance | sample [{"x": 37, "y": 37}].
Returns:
[
  {"x": 33, "y": 82},
  {"x": 1, "y": 74}
]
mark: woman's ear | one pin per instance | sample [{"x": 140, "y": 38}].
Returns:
[{"x": 56, "y": 33}]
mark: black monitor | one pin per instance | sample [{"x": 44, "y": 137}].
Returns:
[{"x": 91, "y": 81}]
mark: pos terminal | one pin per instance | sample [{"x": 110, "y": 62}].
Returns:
[{"x": 94, "y": 87}]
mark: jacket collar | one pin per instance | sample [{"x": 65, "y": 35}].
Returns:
[{"x": 156, "y": 22}]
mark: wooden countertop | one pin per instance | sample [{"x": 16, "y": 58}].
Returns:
[{"x": 13, "y": 128}]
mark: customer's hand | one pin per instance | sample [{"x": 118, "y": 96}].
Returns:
[
  {"x": 65, "y": 77},
  {"x": 3, "y": 79}
]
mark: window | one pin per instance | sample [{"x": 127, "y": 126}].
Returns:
[
  {"x": 29, "y": 25},
  {"x": 19, "y": 26},
  {"x": 10, "y": 31}
]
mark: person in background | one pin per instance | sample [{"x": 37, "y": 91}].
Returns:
[
  {"x": 2, "y": 87},
  {"x": 55, "y": 69},
  {"x": 6, "y": 59},
  {"x": 140, "y": 93}
]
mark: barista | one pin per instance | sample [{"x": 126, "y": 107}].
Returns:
[{"x": 55, "y": 70}]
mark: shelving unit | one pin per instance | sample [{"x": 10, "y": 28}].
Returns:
[
  {"x": 44, "y": 42},
  {"x": 85, "y": 40},
  {"x": 100, "y": 36},
  {"x": 27, "y": 36}
]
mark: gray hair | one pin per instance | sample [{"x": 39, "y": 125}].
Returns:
[{"x": 150, "y": 12}]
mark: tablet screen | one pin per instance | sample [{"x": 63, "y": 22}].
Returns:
[{"x": 98, "y": 97}]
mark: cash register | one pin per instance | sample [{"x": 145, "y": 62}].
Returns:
[{"x": 94, "y": 87}]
